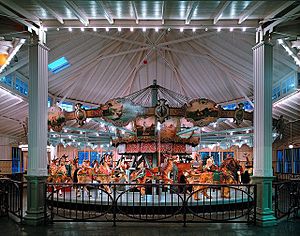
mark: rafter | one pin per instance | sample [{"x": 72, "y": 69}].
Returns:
[
  {"x": 248, "y": 12},
  {"x": 222, "y": 6},
  {"x": 163, "y": 11},
  {"x": 277, "y": 11},
  {"x": 77, "y": 12},
  {"x": 49, "y": 9},
  {"x": 107, "y": 15},
  {"x": 14, "y": 68},
  {"x": 136, "y": 16},
  {"x": 190, "y": 13},
  {"x": 288, "y": 16}
]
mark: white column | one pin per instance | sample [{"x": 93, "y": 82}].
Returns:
[
  {"x": 38, "y": 98},
  {"x": 263, "y": 75},
  {"x": 262, "y": 149}
]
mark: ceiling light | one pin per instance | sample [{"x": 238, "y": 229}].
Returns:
[
  {"x": 240, "y": 138},
  {"x": 70, "y": 29},
  {"x": 247, "y": 131},
  {"x": 219, "y": 29},
  {"x": 88, "y": 120},
  {"x": 280, "y": 41},
  {"x": 156, "y": 29},
  {"x": 194, "y": 29},
  {"x": 291, "y": 146},
  {"x": 131, "y": 29},
  {"x": 144, "y": 29},
  {"x": 119, "y": 29},
  {"x": 181, "y": 29},
  {"x": 57, "y": 29},
  {"x": 206, "y": 29},
  {"x": 231, "y": 133},
  {"x": 106, "y": 29},
  {"x": 82, "y": 29},
  {"x": 94, "y": 29},
  {"x": 244, "y": 29},
  {"x": 215, "y": 125},
  {"x": 231, "y": 29}
]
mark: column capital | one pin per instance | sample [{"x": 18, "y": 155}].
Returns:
[
  {"x": 39, "y": 40},
  {"x": 264, "y": 42}
]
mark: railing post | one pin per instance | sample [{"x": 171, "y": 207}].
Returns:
[
  {"x": 21, "y": 185},
  {"x": 184, "y": 206},
  {"x": 114, "y": 205},
  {"x": 255, "y": 200},
  {"x": 276, "y": 200}
]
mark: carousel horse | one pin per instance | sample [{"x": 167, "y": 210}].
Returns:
[
  {"x": 61, "y": 175},
  {"x": 141, "y": 177},
  {"x": 224, "y": 175},
  {"x": 84, "y": 176},
  {"x": 102, "y": 174},
  {"x": 167, "y": 168},
  {"x": 52, "y": 170}
]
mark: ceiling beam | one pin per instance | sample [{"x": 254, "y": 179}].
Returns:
[
  {"x": 107, "y": 15},
  {"x": 277, "y": 11},
  {"x": 173, "y": 24},
  {"x": 163, "y": 11},
  {"x": 288, "y": 16},
  {"x": 77, "y": 12},
  {"x": 245, "y": 14},
  {"x": 14, "y": 68},
  {"x": 190, "y": 13},
  {"x": 17, "y": 18},
  {"x": 52, "y": 12},
  {"x": 222, "y": 6},
  {"x": 136, "y": 16}
]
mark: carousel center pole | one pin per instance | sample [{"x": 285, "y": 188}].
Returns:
[{"x": 154, "y": 99}]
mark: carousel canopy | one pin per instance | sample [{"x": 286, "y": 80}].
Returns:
[{"x": 115, "y": 48}]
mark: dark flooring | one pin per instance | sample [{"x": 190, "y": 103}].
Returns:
[{"x": 284, "y": 228}]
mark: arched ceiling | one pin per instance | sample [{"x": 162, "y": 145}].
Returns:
[{"x": 205, "y": 63}]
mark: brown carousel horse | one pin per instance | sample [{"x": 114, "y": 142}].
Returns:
[
  {"x": 102, "y": 174},
  {"x": 84, "y": 175},
  {"x": 225, "y": 175},
  {"x": 167, "y": 168},
  {"x": 141, "y": 177}
]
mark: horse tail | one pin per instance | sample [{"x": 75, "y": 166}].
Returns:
[{"x": 75, "y": 178}]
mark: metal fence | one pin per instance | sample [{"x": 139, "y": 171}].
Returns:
[
  {"x": 11, "y": 198},
  {"x": 151, "y": 203}
]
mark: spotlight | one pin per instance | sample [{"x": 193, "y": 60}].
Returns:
[
  {"x": 215, "y": 125},
  {"x": 219, "y": 29},
  {"x": 231, "y": 133},
  {"x": 94, "y": 29},
  {"x": 106, "y": 29},
  {"x": 82, "y": 29},
  {"x": 131, "y": 29},
  {"x": 169, "y": 29},
  {"x": 156, "y": 29},
  {"x": 247, "y": 131},
  {"x": 231, "y": 29},
  {"x": 181, "y": 30},
  {"x": 119, "y": 29},
  {"x": 291, "y": 146},
  {"x": 144, "y": 29},
  {"x": 244, "y": 29},
  {"x": 194, "y": 29},
  {"x": 57, "y": 29},
  {"x": 70, "y": 29},
  {"x": 206, "y": 29}
]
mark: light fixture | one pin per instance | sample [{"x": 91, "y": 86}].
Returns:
[
  {"x": 144, "y": 29},
  {"x": 119, "y": 29},
  {"x": 215, "y": 125},
  {"x": 131, "y": 29},
  {"x": 240, "y": 138},
  {"x": 94, "y": 29},
  {"x": 81, "y": 132},
  {"x": 73, "y": 140},
  {"x": 70, "y": 136},
  {"x": 82, "y": 29},
  {"x": 244, "y": 29},
  {"x": 70, "y": 29},
  {"x": 291, "y": 146},
  {"x": 219, "y": 29},
  {"x": 156, "y": 29},
  {"x": 194, "y": 29},
  {"x": 57, "y": 29},
  {"x": 88, "y": 120},
  {"x": 181, "y": 30},
  {"x": 106, "y": 29},
  {"x": 247, "y": 131},
  {"x": 231, "y": 29},
  {"x": 231, "y": 133},
  {"x": 206, "y": 29},
  {"x": 97, "y": 134}
]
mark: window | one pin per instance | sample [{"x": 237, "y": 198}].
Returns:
[
  {"x": 49, "y": 102},
  {"x": 67, "y": 106},
  {"x": 296, "y": 160},
  {"x": 82, "y": 156},
  {"x": 204, "y": 156},
  {"x": 216, "y": 157},
  {"x": 248, "y": 106},
  {"x": 279, "y": 164},
  {"x": 94, "y": 156},
  {"x": 227, "y": 153},
  {"x": 21, "y": 86},
  {"x": 16, "y": 160},
  {"x": 290, "y": 84},
  {"x": 229, "y": 107},
  {"x": 276, "y": 93},
  {"x": 288, "y": 160},
  {"x": 58, "y": 65},
  {"x": 8, "y": 80}
]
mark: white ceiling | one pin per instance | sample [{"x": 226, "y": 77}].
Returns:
[{"x": 210, "y": 64}]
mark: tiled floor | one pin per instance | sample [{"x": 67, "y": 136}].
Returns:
[{"x": 284, "y": 228}]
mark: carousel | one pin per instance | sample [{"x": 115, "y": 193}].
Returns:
[{"x": 155, "y": 136}]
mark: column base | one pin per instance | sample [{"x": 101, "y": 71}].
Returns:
[
  {"x": 36, "y": 192},
  {"x": 264, "y": 213}
]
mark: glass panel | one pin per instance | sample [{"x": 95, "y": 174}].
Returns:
[
  {"x": 204, "y": 156},
  {"x": 82, "y": 156},
  {"x": 288, "y": 160},
  {"x": 58, "y": 65},
  {"x": 216, "y": 156},
  {"x": 279, "y": 164},
  {"x": 296, "y": 160},
  {"x": 94, "y": 156}
]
